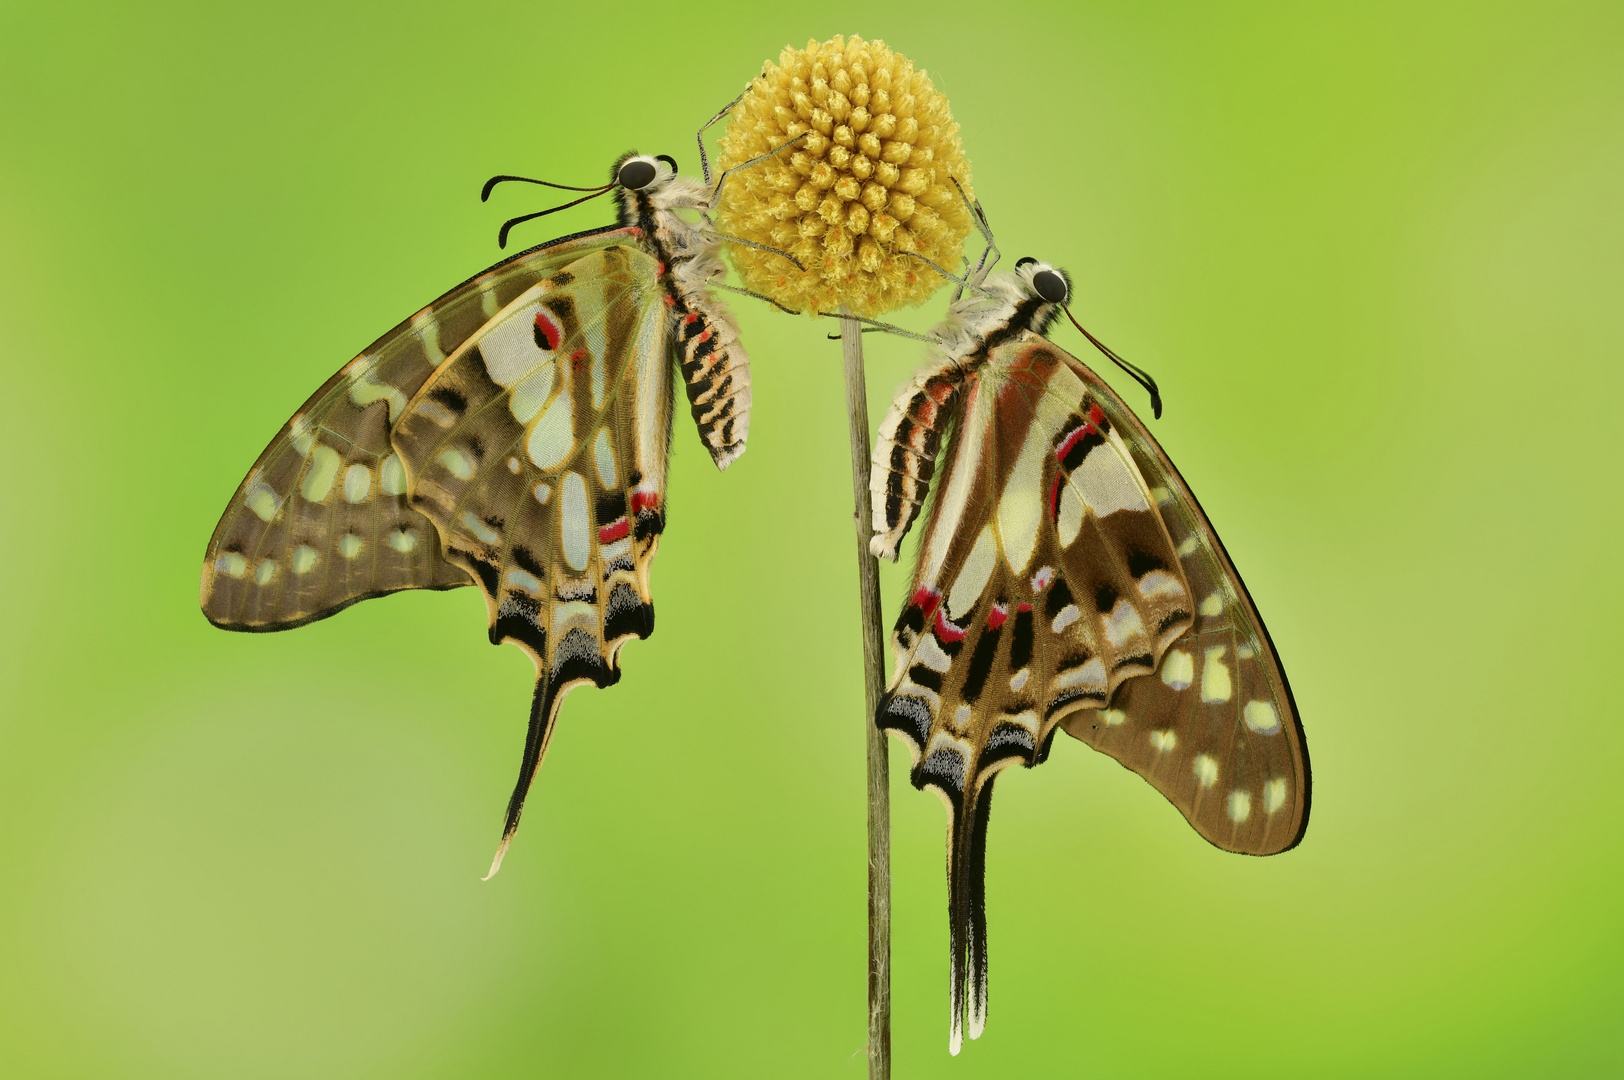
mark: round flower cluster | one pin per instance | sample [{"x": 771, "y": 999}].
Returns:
[{"x": 872, "y": 177}]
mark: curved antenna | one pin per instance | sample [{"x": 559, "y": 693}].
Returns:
[
  {"x": 1139, "y": 375},
  {"x": 485, "y": 192},
  {"x": 501, "y": 237}
]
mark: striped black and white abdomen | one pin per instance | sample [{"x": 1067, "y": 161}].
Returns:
[
  {"x": 910, "y": 439},
  {"x": 715, "y": 372}
]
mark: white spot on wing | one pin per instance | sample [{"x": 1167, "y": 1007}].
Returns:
[
  {"x": 1160, "y": 583},
  {"x": 1090, "y": 674},
  {"x": 553, "y": 437},
  {"x": 456, "y": 463},
  {"x": 231, "y": 564},
  {"x": 435, "y": 412},
  {"x": 350, "y": 545},
  {"x": 1212, "y": 605},
  {"x": 1164, "y": 741},
  {"x": 510, "y": 351},
  {"x": 1206, "y": 770},
  {"x": 428, "y": 332},
  {"x": 604, "y": 458},
  {"x": 1178, "y": 669},
  {"x": 1215, "y": 685},
  {"x": 1068, "y": 615},
  {"x": 403, "y": 540},
  {"x": 265, "y": 573},
  {"x": 526, "y": 399},
  {"x": 357, "y": 483},
  {"x": 519, "y": 579},
  {"x": 299, "y": 434},
  {"x": 304, "y": 559},
  {"x": 931, "y": 655},
  {"x": 479, "y": 528},
  {"x": 1123, "y": 624},
  {"x": 575, "y": 525},
  {"x": 1261, "y": 717},
  {"x": 1020, "y": 507},
  {"x": 542, "y": 492},
  {"x": 1113, "y": 717},
  {"x": 1274, "y": 795},
  {"x": 593, "y": 335},
  {"x": 1190, "y": 544},
  {"x": 263, "y": 502},
  {"x": 1107, "y": 482},
  {"x": 392, "y": 475},
  {"x": 365, "y": 390},
  {"x": 1240, "y": 806},
  {"x": 319, "y": 477},
  {"x": 1070, "y": 521},
  {"x": 1018, "y": 680},
  {"x": 973, "y": 575}
]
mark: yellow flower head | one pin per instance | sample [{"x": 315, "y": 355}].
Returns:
[{"x": 872, "y": 178}]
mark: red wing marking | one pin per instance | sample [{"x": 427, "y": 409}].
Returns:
[
  {"x": 996, "y": 617},
  {"x": 945, "y": 630},
  {"x": 645, "y": 500},
  {"x": 614, "y": 530},
  {"x": 547, "y": 331}
]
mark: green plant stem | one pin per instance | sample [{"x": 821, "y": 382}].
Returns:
[{"x": 879, "y": 792}]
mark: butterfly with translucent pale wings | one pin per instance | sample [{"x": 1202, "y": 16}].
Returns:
[
  {"x": 513, "y": 435},
  {"x": 1067, "y": 579}
]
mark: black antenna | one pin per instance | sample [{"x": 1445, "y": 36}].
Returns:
[
  {"x": 485, "y": 192},
  {"x": 1140, "y": 376},
  {"x": 501, "y": 237}
]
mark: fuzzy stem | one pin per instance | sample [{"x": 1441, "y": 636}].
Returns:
[{"x": 879, "y": 792}]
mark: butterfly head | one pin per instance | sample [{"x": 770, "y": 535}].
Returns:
[
  {"x": 647, "y": 185},
  {"x": 639, "y": 172},
  {"x": 1044, "y": 289}
]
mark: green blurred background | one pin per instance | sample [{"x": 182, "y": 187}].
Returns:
[{"x": 1372, "y": 254}]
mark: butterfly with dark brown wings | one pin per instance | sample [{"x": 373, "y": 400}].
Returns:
[
  {"x": 512, "y": 435},
  {"x": 1067, "y": 579}
]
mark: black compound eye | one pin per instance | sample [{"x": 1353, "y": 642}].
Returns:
[
  {"x": 1049, "y": 285},
  {"x": 636, "y": 175}
]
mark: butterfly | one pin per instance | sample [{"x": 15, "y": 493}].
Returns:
[
  {"x": 512, "y": 435},
  {"x": 1066, "y": 579}
]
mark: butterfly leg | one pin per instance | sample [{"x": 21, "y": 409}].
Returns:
[
  {"x": 716, "y": 192},
  {"x": 699, "y": 136}
]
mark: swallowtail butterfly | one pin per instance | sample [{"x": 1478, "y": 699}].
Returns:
[
  {"x": 512, "y": 435},
  {"x": 1067, "y": 579}
]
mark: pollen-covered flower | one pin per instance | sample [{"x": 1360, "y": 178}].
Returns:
[{"x": 873, "y": 177}]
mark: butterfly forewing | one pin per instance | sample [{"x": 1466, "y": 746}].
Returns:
[
  {"x": 323, "y": 518},
  {"x": 538, "y": 450},
  {"x": 1215, "y": 729}
]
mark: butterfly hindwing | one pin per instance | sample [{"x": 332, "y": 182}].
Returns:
[
  {"x": 1045, "y": 579},
  {"x": 323, "y": 518},
  {"x": 538, "y": 450},
  {"x": 1216, "y": 728}
]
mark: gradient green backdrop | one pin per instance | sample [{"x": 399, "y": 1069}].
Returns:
[{"x": 1373, "y": 256}]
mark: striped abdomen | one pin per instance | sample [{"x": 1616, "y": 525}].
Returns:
[
  {"x": 716, "y": 373},
  {"x": 905, "y": 453}
]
